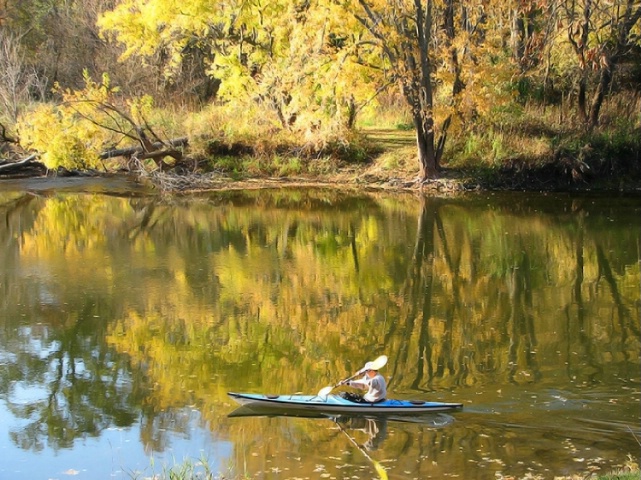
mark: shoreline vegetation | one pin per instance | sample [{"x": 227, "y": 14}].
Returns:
[
  {"x": 530, "y": 145},
  {"x": 460, "y": 96},
  {"x": 531, "y": 152}
]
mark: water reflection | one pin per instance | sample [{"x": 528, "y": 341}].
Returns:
[
  {"x": 373, "y": 425},
  {"x": 375, "y": 430},
  {"x": 366, "y": 433},
  {"x": 65, "y": 384},
  {"x": 130, "y": 312}
]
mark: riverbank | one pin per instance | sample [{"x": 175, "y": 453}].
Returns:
[
  {"x": 385, "y": 159},
  {"x": 370, "y": 177},
  {"x": 389, "y": 163}
]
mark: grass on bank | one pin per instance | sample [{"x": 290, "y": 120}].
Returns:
[
  {"x": 521, "y": 144},
  {"x": 529, "y": 145}
]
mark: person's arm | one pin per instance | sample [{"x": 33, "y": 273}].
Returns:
[{"x": 362, "y": 384}]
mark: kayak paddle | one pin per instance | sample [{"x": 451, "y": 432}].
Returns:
[
  {"x": 377, "y": 364},
  {"x": 382, "y": 473}
]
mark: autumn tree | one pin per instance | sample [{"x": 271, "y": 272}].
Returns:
[
  {"x": 82, "y": 131},
  {"x": 444, "y": 55},
  {"x": 315, "y": 61},
  {"x": 289, "y": 57},
  {"x": 602, "y": 34},
  {"x": 18, "y": 79},
  {"x": 533, "y": 27}
]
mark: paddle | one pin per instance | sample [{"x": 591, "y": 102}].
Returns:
[
  {"x": 382, "y": 473},
  {"x": 377, "y": 364}
]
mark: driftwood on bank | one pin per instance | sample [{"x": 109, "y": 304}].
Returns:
[
  {"x": 19, "y": 164},
  {"x": 26, "y": 166},
  {"x": 154, "y": 150}
]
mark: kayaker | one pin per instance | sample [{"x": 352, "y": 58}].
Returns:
[{"x": 372, "y": 381}]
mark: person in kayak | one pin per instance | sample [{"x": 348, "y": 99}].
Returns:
[{"x": 372, "y": 381}]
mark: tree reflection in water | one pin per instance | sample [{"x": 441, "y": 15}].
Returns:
[{"x": 128, "y": 311}]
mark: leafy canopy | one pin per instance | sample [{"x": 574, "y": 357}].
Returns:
[
  {"x": 306, "y": 62},
  {"x": 73, "y": 133}
]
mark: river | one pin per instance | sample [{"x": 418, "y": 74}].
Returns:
[{"x": 127, "y": 316}]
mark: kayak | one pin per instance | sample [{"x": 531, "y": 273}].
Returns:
[{"x": 335, "y": 404}]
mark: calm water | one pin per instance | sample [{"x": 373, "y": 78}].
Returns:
[{"x": 125, "y": 319}]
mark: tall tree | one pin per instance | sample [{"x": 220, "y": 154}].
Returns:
[
  {"x": 404, "y": 33},
  {"x": 307, "y": 60},
  {"x": 443, "y": 54},
  {"x": 18, "y": 79},
  {"x": 601, "y": 34}
]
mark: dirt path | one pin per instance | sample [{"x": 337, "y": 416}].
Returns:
[{"x": 391, "y": 139}]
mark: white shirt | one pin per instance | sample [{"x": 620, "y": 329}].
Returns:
[{"x": 375, "y": 386}]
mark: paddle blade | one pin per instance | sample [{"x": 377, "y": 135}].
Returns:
[
  {"x": 379, "y": 363},
  {"x": 323, "y": 392},
  {"x": 382, "y": 473}
]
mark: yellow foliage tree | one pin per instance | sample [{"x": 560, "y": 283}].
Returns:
[
  {"x": 74, "y": 133},
  {"x": 292, "y": 58},
  {"x": 311, "y": 61},
  {"x": 61, "y": 133}
]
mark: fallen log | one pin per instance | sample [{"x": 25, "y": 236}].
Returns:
[
  {"x": 21, "y": 164},
  {"x": 128, "y": 152}
]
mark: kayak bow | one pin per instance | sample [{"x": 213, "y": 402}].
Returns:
[{"x": 337, "y": 404}]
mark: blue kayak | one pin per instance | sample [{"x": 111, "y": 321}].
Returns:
[{"x": 338, "y": 405}]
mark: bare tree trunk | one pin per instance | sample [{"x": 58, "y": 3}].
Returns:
[
  {"x": 424, "y": 119},
  {"x": 27, "y": 167},
  {"x": 156, "y": 147},
  {"x": 425, "y": 145},
  {"x": 605, "y": 79},
  {"x": 410, "y": 53},
  {"x": 578, "y": 33},
  {"x": 581, "y": 97}
]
